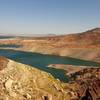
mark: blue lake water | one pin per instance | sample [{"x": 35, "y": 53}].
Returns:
[
  {"x": 9, "y": 46},
  {"x": 5, "y": 37},
  {"x": 41, "y": 61}
]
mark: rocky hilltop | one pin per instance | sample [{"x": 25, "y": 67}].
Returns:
[{"x": 23, "y": 82}]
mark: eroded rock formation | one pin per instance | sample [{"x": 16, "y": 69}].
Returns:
[
  {"x": 84, "y": 81},
  {"x": 22, "y": 82},
  {"x": 87, "y": 83}
]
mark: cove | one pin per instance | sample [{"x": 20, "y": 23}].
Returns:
[{"x": 41, "y": 61}]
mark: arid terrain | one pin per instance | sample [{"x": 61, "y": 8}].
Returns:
[
  {"x": 84, "y": 45},
  {"x": 20, "y": 80},
  {"x": 49, "y": 50}
]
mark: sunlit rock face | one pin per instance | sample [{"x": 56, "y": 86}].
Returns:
[{"x": 22, "y": 82}]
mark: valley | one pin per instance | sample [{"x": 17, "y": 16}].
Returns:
[
  {"x": 63, "y": 67},
  {"x": 84, "y": 45}
]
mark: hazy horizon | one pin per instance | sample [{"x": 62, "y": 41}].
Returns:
[{"x": 48, "y": 16}]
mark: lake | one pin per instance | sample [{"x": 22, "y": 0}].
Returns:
[
  {"x": 6, "y": 37},
  {"x": 41, "y": 61},
  {"x": 9, "y": 46}
]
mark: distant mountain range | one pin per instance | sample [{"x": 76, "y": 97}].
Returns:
[
  {"x": 95, "y": 30},
  {"x": 26, "y": 35}
]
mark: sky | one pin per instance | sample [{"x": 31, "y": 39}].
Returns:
[{"x": 48, "y": 16}]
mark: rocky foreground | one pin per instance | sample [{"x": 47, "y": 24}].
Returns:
[
  {"x": 85, "y": 81},
  {"x": 87, "y": 84},
  {"x": 22, "y": 82}
]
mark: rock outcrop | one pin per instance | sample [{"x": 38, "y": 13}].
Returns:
[
  {"x": 84, "y": 81},
  {"x": 89, "y": 89},
  {"x": 22, "y": 82},
  {"x": 88, "y": 84}
]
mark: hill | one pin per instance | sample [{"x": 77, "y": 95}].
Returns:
[
  {"x": 22, "y": 82},
  {"x": 85, "y": 45}
]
